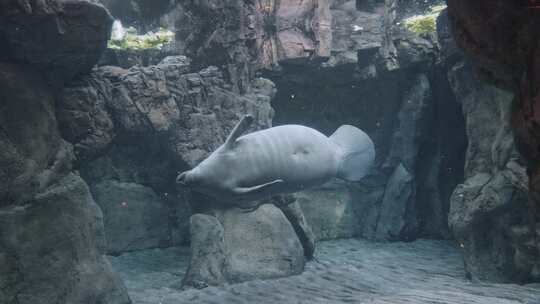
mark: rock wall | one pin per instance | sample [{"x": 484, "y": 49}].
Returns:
[
  {"x": 241, "y": 37},
  {"x": 487, "y": 214},
  {"x": 493, "y": 215},
  {"x": 52, "y": 242}
]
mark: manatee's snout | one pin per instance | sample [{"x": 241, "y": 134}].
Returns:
[
  {"x": 181, "y": 179},
  {"x": 191, "y": 178}
]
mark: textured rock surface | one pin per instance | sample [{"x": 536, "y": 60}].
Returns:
[
  {"x": 488, "y": 208},
  {"x": 51, "y": 231},
  {"x": 485, "y": 37},
  {"x": 513, "y": 65},
  {"x": 394, "y": 217},
  {"x": 136, "y": 217},
  {"x": 208, "y": 253},
  {"x": 235, "y": 246},
  {"x": 260, "y": 245},
  {"x": 490, "y": 213},
  {"x": 51, "y": 240},
  {"x": 33, "y": 156},
  {"x": 355, "y": 32},
  {"x": 240, "y": 37},
  {"x": 330, "y": 211},
  {"x": 166, "y": 100},
  {"x": 59, "y": 38},
  {"x": 347, "y": 271},
  {"x": 128, "y": 58},
  {"x": 52, "y": 249}
]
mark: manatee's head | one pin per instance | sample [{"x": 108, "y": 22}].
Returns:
[
  {"x": 191, "y": 179},
  {"x": 202, "y": 179},
  {"x": 209, "y": 177}
]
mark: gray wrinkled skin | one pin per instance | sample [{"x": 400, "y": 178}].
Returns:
[{"x": 277, "y": 160}]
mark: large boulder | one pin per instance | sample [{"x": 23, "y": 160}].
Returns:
[
  {"x": 234, "y": 246},
  {"x": 62, "y": 262},
  {"x": 261, "y": 244},
  {"x": 59, "y": 38},
  {"x": 136, "y": 217},
  {"x": 208, "y": 252},
  {"x": 51, "y": 231}
]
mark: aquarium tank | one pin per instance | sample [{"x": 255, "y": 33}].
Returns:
[{"x": 329, "y": 151}]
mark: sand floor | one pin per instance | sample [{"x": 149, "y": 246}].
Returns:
[{"x": 346, "y": 271}]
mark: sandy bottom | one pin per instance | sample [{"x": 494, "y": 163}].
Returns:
[{"x": 346, "y": 271}]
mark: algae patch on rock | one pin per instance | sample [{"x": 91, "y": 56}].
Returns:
[
  {"x": 129, "y": 39},
  {"x": 424, "y": 24}
]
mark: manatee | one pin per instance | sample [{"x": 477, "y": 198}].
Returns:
[{"x": 278, "y": 160}]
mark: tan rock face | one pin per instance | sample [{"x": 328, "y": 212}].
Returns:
[{"x": 291, "y": 30}]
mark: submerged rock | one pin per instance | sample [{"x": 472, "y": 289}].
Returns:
[
  {"x": 234, "y": 246},
  {"x": 59, "y": 38},
  {"x": 52, "y": 249},
  {"x": 208, "y": 253},
  {"x": 135, "y": 219}
]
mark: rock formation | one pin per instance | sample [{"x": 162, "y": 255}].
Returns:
[
  {"x": 501, "y": 38},
  {"x": 59, "y": 38},
  {"x": 232, "y": 246},
  {"x": 52, "y": 242},
  {"x": 89, "y": 156}
]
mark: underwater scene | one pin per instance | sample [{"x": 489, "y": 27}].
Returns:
[{"x": 269, "y": 151}]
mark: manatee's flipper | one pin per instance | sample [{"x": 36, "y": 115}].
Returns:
[
  {"x": 357, "y": 152},
  {"x": 263, "y": 189},
  {"x": 240, "y": 128}
]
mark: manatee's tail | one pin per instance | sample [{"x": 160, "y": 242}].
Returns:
[{"x": 356, "y": 150}]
